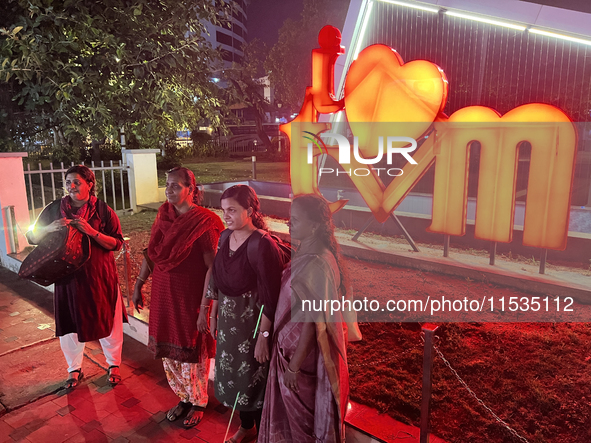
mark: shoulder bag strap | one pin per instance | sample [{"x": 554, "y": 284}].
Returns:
[{"x": 253, "y": 248}]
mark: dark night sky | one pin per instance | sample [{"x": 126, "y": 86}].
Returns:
[
  {"x": 265, "y": 17},
  {"x": 575, "y": 5}
]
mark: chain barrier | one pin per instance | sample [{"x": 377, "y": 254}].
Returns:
[
  {"x": 127, "y": 264},
  {"x": 480, "y": 402},
  {"x": 120, "y": 253},
  {"x": 133, "y": 260}
]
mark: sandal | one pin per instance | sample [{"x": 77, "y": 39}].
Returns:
[
  {"x": 177, "y": 411},
  {"x": 247, "y": 435},
  {"x": 114, "y": 378},
  {"x": 73, "y": 382},
  {"x": 189, "y": 422}
]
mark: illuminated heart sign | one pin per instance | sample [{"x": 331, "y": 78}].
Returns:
[{"x": 380, "y": 88}]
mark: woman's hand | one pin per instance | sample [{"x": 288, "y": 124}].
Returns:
[
  {"x": 290, "y": 379},
  {"x": 202, "y": 324},
  {"x": 56, "y": 225},
  {"x": 213, "y": 326},
  {"x": 39, "y": 232},
  {"x": 261, "y": 349},
  {"x": 83, "y": 226},
  {"x": 138, "y": 297}
]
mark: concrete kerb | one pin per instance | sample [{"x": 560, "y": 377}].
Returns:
[
  {"x": 535, "y": 284},
  {"x": 523, "y": 281}
]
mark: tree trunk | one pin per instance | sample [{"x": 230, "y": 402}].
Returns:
[
  {"x": 61, "y": 137},
  {"x": 96, "y": 152},
  {"x": 261, "y": 132}
]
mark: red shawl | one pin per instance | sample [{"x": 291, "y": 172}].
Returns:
[
  {"x": 173, "y": 235},
  {"x": 84, "y": 212}
]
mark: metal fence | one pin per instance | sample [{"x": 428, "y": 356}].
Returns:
[
  {"x": 46, "y": 185},
  {"x": 248, "y": 144}
]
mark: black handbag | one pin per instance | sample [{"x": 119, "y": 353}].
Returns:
[{"x": 58, "y": 255}]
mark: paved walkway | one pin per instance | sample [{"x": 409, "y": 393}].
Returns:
[
  {"x": 35, "y": 408},
  {"x": 34, "y": 371}
]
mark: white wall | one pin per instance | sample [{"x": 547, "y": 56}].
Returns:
[
  {"x": 13, "y": 193},
  {"x": 143, "y": 176}
]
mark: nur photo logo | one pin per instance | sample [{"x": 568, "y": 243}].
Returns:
[{"x": 344, "y": 149}]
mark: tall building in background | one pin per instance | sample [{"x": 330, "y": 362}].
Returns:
[{"x": 230, "y": 38}]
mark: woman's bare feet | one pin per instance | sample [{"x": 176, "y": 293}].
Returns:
[
  {"x": 114, "y": 375},
  {"x": 243, "y": 435},
  {"x": 177, "y": 411},
  {"x": 74, "y": 379},
  {"x": 194, "y": 416}
]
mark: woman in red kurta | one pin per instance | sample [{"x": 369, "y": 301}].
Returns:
[
  {"x": 87, "y": 302},
  {"x": 182, "y": 246}
]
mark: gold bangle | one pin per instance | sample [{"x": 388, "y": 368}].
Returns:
[
  {"x": 139, "y": 278},
  {"x": 206, "y": 306},
  {"x": 294, "y": 373}
]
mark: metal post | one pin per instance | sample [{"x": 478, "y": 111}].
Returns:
[
  {"x": 446, "y": 245},
  {"x": 543, "y": 261},
  {"x": 52, "y": 181},
  {"x": 42, "y": 186},
  {"x": 34, "y": 215},
  {"x": 113, "y": 186},
  {"x": 407, "y": 236},
  {"x": 254, "y": 167},
  {"x": 363, "y": 228},
  {"x": 9, "y": 225},
  {"x": 122, "y": 142},
  {"x": 492, "y": 252},
  {"x": 103, "y": 176},
  {"x": 122, "y": 185},
  {"x": 429, "y": 332},
  {"x": 12, "y": 217},
  {"x": 127, "y": 268}
]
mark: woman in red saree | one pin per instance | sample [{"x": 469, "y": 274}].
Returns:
[
  {"x": 308, "y": 383},
  {"x": 182, "y": 247}
]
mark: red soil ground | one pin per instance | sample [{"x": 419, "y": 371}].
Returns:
[{"x": 534, "y": 376}]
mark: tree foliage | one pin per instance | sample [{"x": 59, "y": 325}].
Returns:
[
  {"x": 246, "y": 85},
  {"x": 85, "y": 68},
  {"x": 289, "y": 62}
]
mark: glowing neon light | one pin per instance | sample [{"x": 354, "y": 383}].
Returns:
[
  {"x": 486, "y": 20},
  {"x": 363, "y": 27},
  {"x": 560, "y": 36},
  {"x": 380, "y": 89},
  {"x": 411, "y": 5}
]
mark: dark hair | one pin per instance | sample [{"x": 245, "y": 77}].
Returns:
[
  {"x": 317, "y": 209},
  {"x": 247, "y": 198},
  {"x": 188, "y": 179},
  {"x": 86, "y": 174}
]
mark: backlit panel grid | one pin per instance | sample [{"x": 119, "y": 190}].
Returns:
[{"x": 496, "y": 67}]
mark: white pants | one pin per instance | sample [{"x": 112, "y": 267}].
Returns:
[{"x": 74, "y": 350}]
